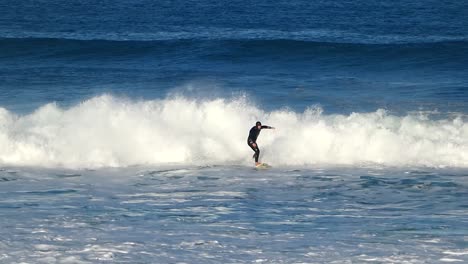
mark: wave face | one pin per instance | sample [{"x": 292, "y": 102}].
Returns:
[
  {"x": 107, "y": 131},
  {"x": 75, "y": 51}
]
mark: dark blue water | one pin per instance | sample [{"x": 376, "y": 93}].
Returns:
[
  {"x": 123, "y": 127},
  {"x": 344, "y": 55}
]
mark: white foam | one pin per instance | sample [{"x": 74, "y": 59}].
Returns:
[
  {"x": 460, "y": 253},
  {"x": 107, "y": 131},
  {"x": 450, "y": 260},
  {"x": 45, "y": 247}
]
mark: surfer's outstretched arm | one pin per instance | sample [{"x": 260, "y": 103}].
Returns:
[{"x": 267, "y": 127}]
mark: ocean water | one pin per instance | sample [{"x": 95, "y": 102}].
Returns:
[{"x": 123, "y": 129}]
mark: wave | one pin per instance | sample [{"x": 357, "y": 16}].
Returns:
[
  {"x": 217, "y": 34},
  {"x": 108, "y": 131},
  {"x": 41, "y": 50}
]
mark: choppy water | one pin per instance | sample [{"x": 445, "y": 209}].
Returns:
[{"x": 234, "y": 215}]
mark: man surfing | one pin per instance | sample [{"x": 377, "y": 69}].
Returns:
[{"x": 252, "y": 140}]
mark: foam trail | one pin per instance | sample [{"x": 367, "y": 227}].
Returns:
[{"x": 108, "y": 131}]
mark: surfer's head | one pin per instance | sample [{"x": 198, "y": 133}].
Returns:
[{"x": 258, "y": 124}]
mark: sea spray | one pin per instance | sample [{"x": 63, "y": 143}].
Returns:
[{"x": 108, "y": 131}]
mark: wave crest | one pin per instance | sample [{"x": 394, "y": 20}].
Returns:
[{"x": 109, "y": 131}]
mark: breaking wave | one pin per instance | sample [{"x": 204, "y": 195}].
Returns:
[{"x": 108, "y": 131}]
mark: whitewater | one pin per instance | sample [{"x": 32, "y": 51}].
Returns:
[{"x": 110, "y": 131}]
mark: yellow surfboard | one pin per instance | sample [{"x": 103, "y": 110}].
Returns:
[{"x": 262, "y": 166}]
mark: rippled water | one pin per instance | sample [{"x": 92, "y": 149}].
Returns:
[{"x": 233, "y": 215}]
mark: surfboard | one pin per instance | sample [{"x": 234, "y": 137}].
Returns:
[{"x": 262, "y": 166}]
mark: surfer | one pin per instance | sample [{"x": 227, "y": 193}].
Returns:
[{"x": 252, "y": 139}]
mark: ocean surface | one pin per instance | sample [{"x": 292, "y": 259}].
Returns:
[{"x": 123, "y": 128}]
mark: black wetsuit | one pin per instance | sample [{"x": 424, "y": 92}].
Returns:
[{"x": 253, "y": 135}]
